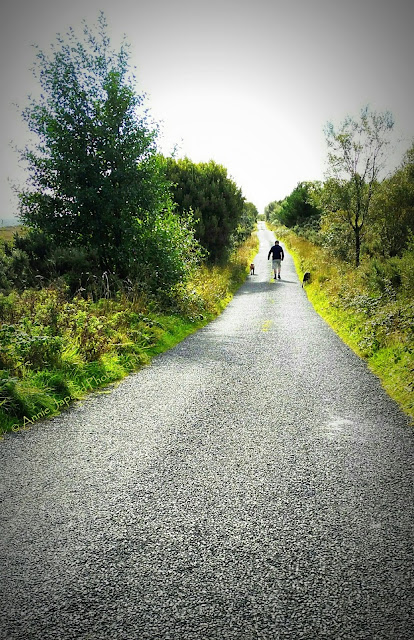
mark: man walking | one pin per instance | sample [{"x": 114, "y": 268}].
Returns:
[{"x": 277, "y": 256}]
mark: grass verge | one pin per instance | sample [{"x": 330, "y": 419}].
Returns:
[
  {"x": 370, "y": 308},
  {"x": 55, "y": 350}
]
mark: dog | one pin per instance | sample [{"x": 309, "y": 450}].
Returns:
[
  {"x": 252, "y": 269},
  {"x": 306, "y": 278}
]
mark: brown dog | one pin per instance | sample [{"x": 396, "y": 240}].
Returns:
[{"x": 252, "y": 269}]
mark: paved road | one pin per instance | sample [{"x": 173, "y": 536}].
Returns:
[{"x": 254, "y": 483}]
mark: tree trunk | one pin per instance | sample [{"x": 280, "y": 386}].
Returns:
[{"x": 357, "y": 244}]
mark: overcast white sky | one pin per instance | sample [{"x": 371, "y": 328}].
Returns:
[{"x": 247, "y": 83}]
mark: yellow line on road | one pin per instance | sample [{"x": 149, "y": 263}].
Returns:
[{"x": 266, "y": 325}]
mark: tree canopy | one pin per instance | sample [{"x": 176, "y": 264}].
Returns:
[
  {"x": 298, "y": 208},
  {"x": 95, "y": 179},
  {"x": 216, "y": 203},
  {"x": 393, "y": 209}
]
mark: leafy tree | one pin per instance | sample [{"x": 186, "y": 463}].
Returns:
[
  {"x": 247, "y": 222},
  {"x": 299, "y": 207},
  {"x": 95, "y": 178},
  {"x": 393, "y": 209},
  {"x": 271, "y": 210},
  {"x": 335, "y": 232},
  {"x": 356, "y": 158},
  {"x": 216, "y": 203}
]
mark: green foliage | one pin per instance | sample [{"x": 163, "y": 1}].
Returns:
[
  {"x": 212, "y": 286},
  {"x": 216, "y": 203},
  {"x": 246, "y": 224},
  {"x": 34, "y": 261},
  {"x": 55, "y": 348},
  {"x": 393, "y": 211},
  {"x": 356, "y": 157},
  {"x": 165, "y": 253},
  {"x": 371, "y": 307},
  {"x": 97, "y": 193},
  {"x": 271, "y": 210},
  {"x": 21, "y": 400},
  {"x": 26, "y": 348},
  {"x": 84, "y": 184},
  {"x": 299, "y": 208}
]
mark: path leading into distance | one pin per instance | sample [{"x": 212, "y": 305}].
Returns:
[{"x": 253, "y": 483}]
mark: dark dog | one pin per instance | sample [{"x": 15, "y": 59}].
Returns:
[
  {"x": 306, "y": 277},
  {"x": 252, "y": 269}
]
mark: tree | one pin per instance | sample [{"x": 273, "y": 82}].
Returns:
[
  {"x": 271, "y": 210},
  {"x": 299, "y": 207},
  {"x": 356, "y": 158},
  {"x": 95, "y": 178},
  {"x": 215, "y": 201},
  {"x": 247, "y": 223},
  {"x": 393, "y": 209}
]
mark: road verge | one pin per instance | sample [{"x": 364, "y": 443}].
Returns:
[{"x": 374, "y": 318}]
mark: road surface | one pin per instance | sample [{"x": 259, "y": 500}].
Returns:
[{"x": 253, "y": 483}]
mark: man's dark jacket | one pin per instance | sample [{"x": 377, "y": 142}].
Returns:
[{"x": 277, "y": 252}]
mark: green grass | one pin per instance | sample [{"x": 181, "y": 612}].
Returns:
[
  {"x": 56, "y": 350},
  {"x": 373, "y": 317}
]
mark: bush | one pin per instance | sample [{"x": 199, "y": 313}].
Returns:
[
  {"x": 22, "y": 349},
  {"x": 54, "y": 348}
]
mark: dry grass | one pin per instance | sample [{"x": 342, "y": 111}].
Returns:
[{"x": 7, "y": 233}]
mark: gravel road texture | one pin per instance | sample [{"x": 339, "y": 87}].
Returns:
[{"x": 253, "y": 483}]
